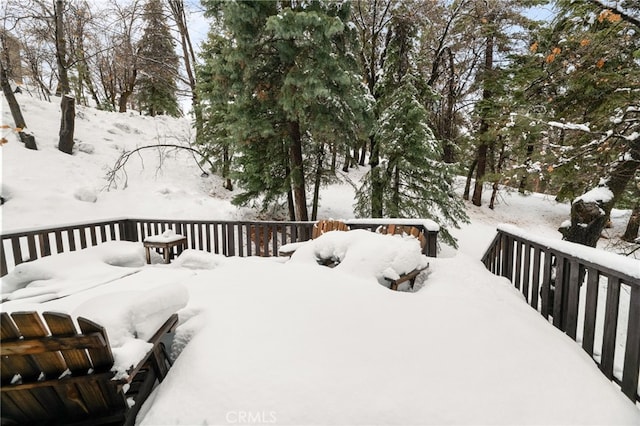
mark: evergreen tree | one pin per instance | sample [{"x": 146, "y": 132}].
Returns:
[
  {"x": 415, "y": 180},
  {"x": 498, "y": 21},
  {"x": 585, "y": 75},
  {"x": 215, "y": 141},
  {"x": 292, "y": 88},
  {"x": 158, "y": 64}
]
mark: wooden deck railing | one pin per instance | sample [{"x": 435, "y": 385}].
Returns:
[
  {"x": 587, "y": 298},
  {"x": 230, "y": 238},
  {"x": 23, "y": 246}
]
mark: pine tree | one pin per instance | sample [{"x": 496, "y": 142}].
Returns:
[
  {"x": 158, "y": 64},
  {"x": 292, "y": 88},
  {"x": 215, "y": 140},
  {"x": 415, "y": 180}
]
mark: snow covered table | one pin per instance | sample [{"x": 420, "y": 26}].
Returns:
[{"x": 165, "y": 241}]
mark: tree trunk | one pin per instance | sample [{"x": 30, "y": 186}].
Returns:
[
  {"x": 589, "y": 218},
  {"x": 377, "y": 186},
  {"x": 290, "y": 204},
  {"x": 347, "y": 161},
  {"x": 481, "y": 168},
  {"x": 334, "y": 157},
  {"x": 226, "y": 167},
  {"x": 496, "y": 183},
  {"x": 523, "y": 181},
  {"x": 317, "y": 183},
  {"x": 467, "y": 185},
  {"x": 448, "y": 126},
  {"x": 396, "y": 192},
  {"x": 297, "y": 172},
  {"x": 122, "y": 102},
  {"x": 484, "y": 124},
  {"x": 631, "y": 233},
  {"x": 28, "y": 139},
  {"x": 16, "y": 113},
  {"x": 61, "y": 50},
  {"x": 67, "y": 124},
  {"x": 177, "y": 8},
  {"x": 363, "y": 154}
]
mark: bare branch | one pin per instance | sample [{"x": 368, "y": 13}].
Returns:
[{"x": 121, "y": 162}]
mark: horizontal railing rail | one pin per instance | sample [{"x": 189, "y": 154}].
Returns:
[
  {"x": 25, "y": 245},
  {"x": 230, "y": 238},
  {"x": 591, "y": 299}
]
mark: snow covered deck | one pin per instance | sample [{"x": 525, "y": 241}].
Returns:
[{"x": 293, "y": 342}]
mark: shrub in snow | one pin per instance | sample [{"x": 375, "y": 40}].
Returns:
[{"x": 86, "y": 194}]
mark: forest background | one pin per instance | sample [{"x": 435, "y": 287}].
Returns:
[{"x": 284, "y": 93}]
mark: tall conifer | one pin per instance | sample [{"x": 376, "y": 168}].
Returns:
[
  {"x": 415, "y": 180},
  {"x": 292, "y": 86},
  {"x": 158, "y": 64}
]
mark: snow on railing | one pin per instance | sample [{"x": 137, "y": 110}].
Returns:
[
  {"x": 591, "y": 295},
  {"x": 230, "y": 238}
]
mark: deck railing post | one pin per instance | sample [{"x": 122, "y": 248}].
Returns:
[
  {"x": 128, "y": 230},
  {"x": 632, "y": 354},
  {"x": 431, "y": 248},
  {"x": 507, "y": 260}
]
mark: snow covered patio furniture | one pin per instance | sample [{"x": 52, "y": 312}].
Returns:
[
  {"x": 166, "y": 241},
  {"x": 319, "y": 228},
  {"x": 327, "y": 225},
  {"x": 53, "y": 372},
  {"x": 394, "y": 229},
  {"x": 389, "y": 260}
]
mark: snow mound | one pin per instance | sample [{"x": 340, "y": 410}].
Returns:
[
  {"x": 86, "y": 194},
  {"x": 364, "y": 254},
  {"x": 194, "y": 259},
  {"x": 87, "y": 148}
]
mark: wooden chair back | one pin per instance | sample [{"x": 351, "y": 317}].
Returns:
[
  {"x": 54, "y": 373},
  {"x": 327, "y": 225},
  {"x": 393, "y": 229}
]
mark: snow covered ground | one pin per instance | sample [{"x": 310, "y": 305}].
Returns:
[{"x": 292, "y": 342}]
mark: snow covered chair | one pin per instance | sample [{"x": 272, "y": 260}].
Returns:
[
  {"x": 53, "y": 373},
  {"x": 393, "y": 229},
  {"x": 327, "y": 225},
  {"x": 319, "y": 228},
  {"x": 404, "y": 230}
]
